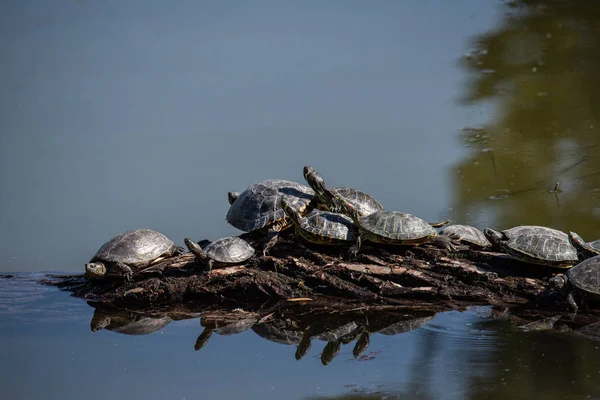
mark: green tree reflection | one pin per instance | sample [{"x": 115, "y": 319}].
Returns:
[{"x": 540, "y": 75}]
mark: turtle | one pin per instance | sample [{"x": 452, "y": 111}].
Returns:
[
  {"x": 328, "y": 199},
  {"x": 585, "y": 250},
  {"x": 128, "y": 252},
  {"x": 324, "y": 197},
  {"x": 393, "y": 227},
  {"x": 222, "y": 252},
  {"x": 259, "y": 207},
  {"x": 466, "y": 234},
  {"x": 535, "y": 244},
  {"x": 127, "y": 323},
  {"x": 583, "y": 279},
  {"x": 322, "y": 227}
]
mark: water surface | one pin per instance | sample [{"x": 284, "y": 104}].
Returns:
[{"x": 144, "y": 114}]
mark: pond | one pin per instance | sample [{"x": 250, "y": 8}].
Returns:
[{"x": 144, "y": 114}]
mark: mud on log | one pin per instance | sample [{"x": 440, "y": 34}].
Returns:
[{"x": 380, "y": 276}]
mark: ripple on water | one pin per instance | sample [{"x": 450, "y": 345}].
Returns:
[{"x": 23, "y": 299}]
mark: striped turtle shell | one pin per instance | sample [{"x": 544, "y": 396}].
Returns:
[
  {"x": 259, "y": 205},
  {"x": 229, "y": 250},
  {"x": 586, "y": 275},
  {"x": 467, "y": 234},
  {"x": 396, "y": 227},
  {"x": 135, "y": 248},
  {"x": 535, "y": 244}
]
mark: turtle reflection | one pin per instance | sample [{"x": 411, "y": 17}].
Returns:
[
  {"x": 225, "y": 325},
  {"x": 127, "y": 323}
]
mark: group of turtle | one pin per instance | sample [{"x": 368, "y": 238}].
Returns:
[{"x": 347, "y": 216}]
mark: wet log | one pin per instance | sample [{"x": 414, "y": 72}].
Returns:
[{"x": 381, "y": 275}]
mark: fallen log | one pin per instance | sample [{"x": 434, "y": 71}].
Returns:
[{"x": 381, "y": 275}]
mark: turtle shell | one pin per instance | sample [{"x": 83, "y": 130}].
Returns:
[
  {"x": 586, "y": 275},
  {"x": 136, "y": 248},
  {"x": 396, "y": 227},
  {"x": 466, "y": 233},
  {"x": 364, "y": 203},
  {"x": 229, "y": 250},
  {"x": 538, "y": 244},
  {"x": 259, "y": 205},
  {"x": 327, "y": 227}
]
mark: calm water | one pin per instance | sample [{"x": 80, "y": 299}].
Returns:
[{"x": 119, "y": 115}]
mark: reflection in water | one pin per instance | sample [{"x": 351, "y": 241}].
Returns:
[
  {"x": 127, "y": 323},
  {"x": 539, "y": 71}
]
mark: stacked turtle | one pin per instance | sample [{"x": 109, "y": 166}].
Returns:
[{"x": 347, "y": 217}]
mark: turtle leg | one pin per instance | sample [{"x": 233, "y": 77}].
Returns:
[
  {"x": 439, "y": 224},
  {"x": 209, "y": 265},
  {"x": 273, "y": 236},
  {"x": 178, "y": 250},
  {"x": 353, "y": 251},
  {"x": 445, "y": 242},
  {"x": 127, "y": 271},
  {"x": 571, "y": 302}
]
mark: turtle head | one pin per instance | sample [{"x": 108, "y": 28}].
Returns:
[
  {"x": 232, "y": 196},
  {"x": 193, "y": 247},
  {"x": 576, "y": 240},
  {"x": 558, "y": 282},
  {"x": 493, "y": 236},
  {"x": 290, "y": 211},
  {"x": 95, "y": 270},
  {"x": 314, "y": 180},
  {"x": 584, "y": 250}
]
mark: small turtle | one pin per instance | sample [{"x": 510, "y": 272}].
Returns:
[
  {"x": 585, "y": 250},
  {"x": 322, "y": 227},
  {"x": 324, "y": 197},
  {"x": 259, "y": 207},
  {"x": 583, "y": 279},
  {"x": 223, "y": 252},
  {"x": 466, "y": 234},
  {"x": 393, "y": 227},
  {"x": 535, "y": 244},
  {"x": 128, "y": 252}
]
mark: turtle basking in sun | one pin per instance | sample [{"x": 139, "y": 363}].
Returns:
[
  {"x": 128, "y": 252},
  {"x": 535, "y": 244},
  {"x": 259, "y": 207}
]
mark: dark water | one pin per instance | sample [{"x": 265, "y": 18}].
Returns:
[{"x": 119, "y": 115}]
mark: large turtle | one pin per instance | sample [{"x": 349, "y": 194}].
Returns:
[
  {"x": 259, "y": 207},
  {"x": 535, "y": 244},
  {"x": 393, "y": 227},
  {"x": 322, "y": 227},
  {"x": 325, "y": 198},
  {"x": 585, "y": 250},
  {"x": 466, "y": 234},
  {"x": 583, "y": 279},
  {"x": 128, "y": 252},
  {"x": 222, "y": 252}
]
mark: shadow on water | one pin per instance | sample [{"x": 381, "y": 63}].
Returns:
[{"x": 539, "y": 72}]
